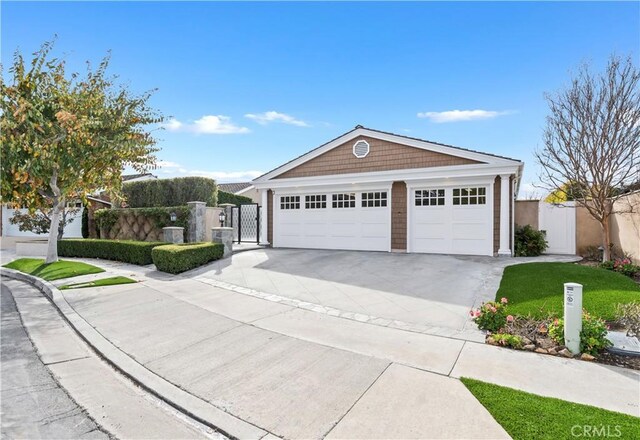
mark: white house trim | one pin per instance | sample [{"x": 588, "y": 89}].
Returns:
[
  {"x": 505, "y": 211},
  {"x": 445, "y": 172},
  {"x": 264, "y": 217}
]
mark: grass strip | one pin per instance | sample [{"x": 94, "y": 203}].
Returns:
[
  {"x": 529, "y": 416},
  {"x": 52, "y": 271},
  {"x": 112, "y": 281}
]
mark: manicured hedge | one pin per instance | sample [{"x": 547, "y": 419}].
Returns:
[
  {"x": 177, "y": 258},
  {"x": 127, "y": 251},
  {"x": 225, "y": 197},
  {"x": 170, "y": 192}
]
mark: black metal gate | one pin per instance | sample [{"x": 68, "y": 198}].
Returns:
[{"x": 245, "y": 221}]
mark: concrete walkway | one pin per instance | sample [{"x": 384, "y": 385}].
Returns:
[{"x": 217, "y": 345}]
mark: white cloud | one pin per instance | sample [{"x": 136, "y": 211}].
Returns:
[
  {"x": 273, "y": 116},
  {"x": 173, "y": 169},
  {"x": 462, "y": 115},
  {"x": 208, "y": 124},
  {"x": 530, "y": 191}
]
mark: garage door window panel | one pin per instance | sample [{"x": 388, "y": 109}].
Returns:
[
  {"x": 290, "y": 202},
  {"x": 470, "y": 196},
  {"x": 429, "y": 197},
  {"x": 316, "y": 201},
  {"x": 374, "y": 199},
  {"x": 345, "y": 200}
]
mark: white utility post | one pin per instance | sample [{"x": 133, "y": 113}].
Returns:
[{"x": 572, "y": 316}]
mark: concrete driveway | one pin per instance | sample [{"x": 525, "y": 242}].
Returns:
[{"x": 429, "y": 290}]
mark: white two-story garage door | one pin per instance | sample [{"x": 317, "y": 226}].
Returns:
[
  {"x": 451, "y": 220},
  {"x": 334, "y": 220}
]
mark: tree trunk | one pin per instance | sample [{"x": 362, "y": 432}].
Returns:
[
  {"x": 52, "y": 246},
  {"x": 606, "y": 239},
  {"x": 63, "y": 220}
]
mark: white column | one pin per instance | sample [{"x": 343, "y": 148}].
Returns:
[
  {"x": 505, "y": 210},
  {"x": 264, "y": 218}
]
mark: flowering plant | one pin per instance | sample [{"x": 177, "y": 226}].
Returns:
[
  {"x": 491, "y": 315},
  {"x": 621, "y": 265},
  {"x": 593, "y": 337}
]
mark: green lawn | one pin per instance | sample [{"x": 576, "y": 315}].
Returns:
[
  {"x": 537, "y": 288},
  {"x": 54, "y": 271},
  {"x": 528, "y": 416},
  {"x": 112, "y": 281}
]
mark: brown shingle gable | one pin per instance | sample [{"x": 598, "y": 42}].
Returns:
[{"x": 383, "y": 156}]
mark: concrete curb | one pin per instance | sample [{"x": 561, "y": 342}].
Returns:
[{"x": 186, "y": 403}]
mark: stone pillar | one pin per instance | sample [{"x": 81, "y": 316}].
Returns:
[
  {"x": 224, "y": 236},
  {"x": 173, "y": 234},
  {"x": 197, "y": 220},
  {"x": 264, "y": 218},
  {"x": 505, "y": 210}
]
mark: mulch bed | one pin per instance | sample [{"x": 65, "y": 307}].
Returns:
[{"x": 535, "y": 338}]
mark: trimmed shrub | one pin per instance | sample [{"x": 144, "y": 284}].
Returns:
[
  {"x": 225, "y": 197},
  {"x": 529, "y": 242},
  {"x": 85, "y": 222},
  {"x": 491, "y": 316},
  {"x": 593, "y": 337},
  {"x": 177, "y": 258},
  {"x": 170, "y": 192},
  {"x": 134, "y": 252}
]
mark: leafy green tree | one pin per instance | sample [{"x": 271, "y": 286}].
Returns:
[
  {"x": 567, "y": 192},
  {"x": 67, "y": 136}
]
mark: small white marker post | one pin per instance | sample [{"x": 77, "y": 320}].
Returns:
[{"x": 572, "y": 316}]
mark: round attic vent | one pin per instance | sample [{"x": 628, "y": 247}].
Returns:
[{"x": 361, "y": 149}]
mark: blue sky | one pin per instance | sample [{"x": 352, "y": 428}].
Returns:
[{"x": 248, "y": 86}]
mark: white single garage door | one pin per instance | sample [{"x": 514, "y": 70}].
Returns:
[
  {"x": 451, "y": 220},
  {"x": 335, "y": 220}
]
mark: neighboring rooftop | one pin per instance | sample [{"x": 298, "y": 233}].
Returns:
[
  {"x": 132, "y": 177},
  {"x": 233, "y": 188}
]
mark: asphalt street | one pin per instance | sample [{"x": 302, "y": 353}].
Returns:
[{"x": 33, "y": 404}]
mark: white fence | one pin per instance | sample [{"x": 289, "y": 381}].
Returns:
[
  {"x": 73, "y": 230},
  {"x": 559, "y": 221}
]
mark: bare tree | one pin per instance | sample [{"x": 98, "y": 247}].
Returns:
[{"x": 592, "y": 139}]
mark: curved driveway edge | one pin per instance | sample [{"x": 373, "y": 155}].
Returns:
[{"x": 190, "y": 405}]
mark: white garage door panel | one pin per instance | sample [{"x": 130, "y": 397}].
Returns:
[
  {"x": 435, "y": 245},
  {"x": 451, "y": 229},
  {"x": 333, "y": 228},
  {"x": 468, "y": 231},
  {"x": 469, "y": 246},
  {"x": 375, "y": 230}
]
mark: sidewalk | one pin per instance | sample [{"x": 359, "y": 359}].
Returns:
[{"x": 298, "y": 373}]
